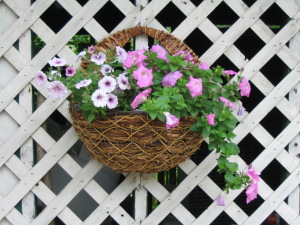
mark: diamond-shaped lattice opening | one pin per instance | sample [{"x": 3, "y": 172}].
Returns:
[
  {"x": 108, "y": 179},
  {"x": 171, "y": 178},
  {"x": 223, "y": 17},
  {"x": 274, "y": 174},
  {"x": 201, "y": 154},
  {"x": 79, "y": 153},
  {"x": 275, "y": 70},
  {"x": 251, "y": 206},
  {"x": 249, "y": 44},
  {"x": 249, "y": 3},
  {"x": 56, "y": 17},
  {"x": 198, "y": 42},
  {"x": 274, "y": 122},
  {"x": 109, "y": 16},
  {"x": 83, "y": 205},
  {"x": 274, "y": 218},
  {"x": 59, "y": 178},
  {"x": 82, "y": 2},
  {"x": 197, "y": 201},
  {"x": 80, "y": 41},
  {"x": 225, "y": 63},
  {"x": 38, "y": 44},
  {"x": 128, "y": 204},
  {"x": 57, "y": 125},
  {"x": 171, "y": 219},
  {"x": 166, "y": 16},
  {"x": 275, "y": 18},
  {"x": 196, "y": 2},
  {"x": 255, "y": 98},
  {"x": 223, "y": 219},
  {"x": 218, "y": 178},
  {"x": 250, "y": 148}
]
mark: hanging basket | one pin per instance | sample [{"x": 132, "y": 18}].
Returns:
[{"x": 132, "y": 141}]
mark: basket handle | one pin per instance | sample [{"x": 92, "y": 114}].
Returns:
[{"x": 120, "y": 38}]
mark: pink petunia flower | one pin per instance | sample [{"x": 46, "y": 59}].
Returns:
[
  {"x": 204, "y": 66},
  {"x": 143, "y": 76},
  {"x": 195, "y": 86},
  {"x": 227, "y": 102},
  {"x": 171, "y": 78},
  {"x": 220, "y": 200},
  {"x": 107, "y": 84},
  {"x": 171, "y": 120},
  {"x": 40, "y": 78},
  {"x": 106, "y": 69},
  {"x": 121, "y": 54},
  {"x": 252, "y": 174},
  {"x": 245, "y": 87},
  {"x": 112, "y": 101},
  {"x": 123, "y": 82},
  {"x": 251, "y": 192},
  {"x": 99, "y": 98},
  {"x": 187, "y": 55},
  {"x": 83, "y": 83},
  {"x": 57, "y": 89},
  {"x": 57, "y": 62},
  {"x": 136, "y": 57},
  {"x": 161, "y": 52},
  {"x": 141, "y": 97},
  {"x": 91, "y": 49},
  {"x": 211, "y": 119},
  {"x": 70, "y": 71},
  {"x": 99, "y": 59},
  {"x": 229, "y": 72}
]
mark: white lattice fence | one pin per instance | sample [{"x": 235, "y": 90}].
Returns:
[{"x": 20, "y": 126}]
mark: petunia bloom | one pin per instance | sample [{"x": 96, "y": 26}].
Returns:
[
  {"x": 245, "y": 87},
  {"x": 40, "y": 78},
  {"x": 57, "y": 62},
  {"x": 251, "y": 192},
  {"x": 121, "y": 54},
  {"x": 99, "y": 98},
  {"x": 211, "y": 118},
  {"x": 112, "y": 101},
  {"x": 220, "y": 200},
  {"x": 99, "y": 59},
  {"x": 57, "y": 89},
  {"x": 161, "y": 52},
  {"x": 83, "y": 83},
  {"x": 106, "y": 69},
  {"x": 171, "y": 120},
  {"x": 70, "y": 71},
  {"x": 195, "y": 86},
  {"x": 123, "y": 82},
  {"x": 107, "y": 84},
  {"x": 241, "y": 109},
  {"x": 141, "y": 97},
  {"x": 143, "y": 76},
  {"x": 227, "y": 102},
  {"x": 229, "y": 72},
  {"x": 187, "y": 55},
  {"x": 204, "y": 66},
  {"x": 252, "y": 174},
  {"x": 91, "y": 49},
  {"x": 171, "y": 78},
  {"x": 134, "y": 57}
]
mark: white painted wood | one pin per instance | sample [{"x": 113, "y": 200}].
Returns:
[
  {"x": 26, "y": 101},
  {"x": 8, "y": 126},
  {"x": 294, "y": 147}
]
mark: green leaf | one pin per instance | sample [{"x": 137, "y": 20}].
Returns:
[
  {"x": 173, "y": 67},
  {"x": 231, "y": 166},
  {"x": 206, "y": 131},
  {"x": 153, "y": 114},
  {"x": 91, "y": 117}
]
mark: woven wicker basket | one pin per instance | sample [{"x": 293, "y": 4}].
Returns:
[{"x": 133, "y": 142}]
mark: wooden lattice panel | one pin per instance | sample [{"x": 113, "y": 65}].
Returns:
[{"x": 27, "y": 125}]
